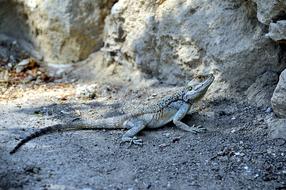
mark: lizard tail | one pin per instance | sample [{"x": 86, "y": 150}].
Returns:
[
  {"x": 41, "y": 132},
  {"x": 78, "y": 124}
]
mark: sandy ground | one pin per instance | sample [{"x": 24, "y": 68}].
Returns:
[{"x": 235, "y": 152}]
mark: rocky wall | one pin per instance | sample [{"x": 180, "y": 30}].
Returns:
[
  {"x": 176, "y": 39},
  {"x": 61, "y": 31}
]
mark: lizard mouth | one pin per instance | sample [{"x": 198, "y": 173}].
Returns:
[{"x": 208, "y": 79}]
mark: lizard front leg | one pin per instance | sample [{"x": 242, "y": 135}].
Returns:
[
  {"x": 184, "y": 109},
  {"x": 134, "y": 126}
]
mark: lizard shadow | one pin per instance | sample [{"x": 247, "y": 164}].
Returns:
[{"x": 67, "y": 111}]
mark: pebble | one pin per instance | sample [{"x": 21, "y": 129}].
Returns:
[
  {"x": 86, "y": 91},
  {"x": 269, "y": 110},
  {"x": 167, "y": 134},
  {"x": 22, "y": 65}
]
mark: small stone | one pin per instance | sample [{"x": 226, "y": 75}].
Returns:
[
  {"x": 269, "y": 110},
  {"x": 10, "y": 65},
  {"x": 167, "y": 134},
  {"x": 164, "y": 145},
  {"x": 176, "y": 139},
  {"x": 24, "y": 62},
  {"x": 77, "y": 112},
  {"x": 86, "y": 91},
  {"x": 65, "y": 112},
  {"x": 154, "y": 95},
  {"x": 22, "y": 65}
]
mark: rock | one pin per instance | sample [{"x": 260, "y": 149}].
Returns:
[
  {"x": 260, "y": 92},
  {"x": 269, "y": 110},
  {"x": 277, "y": 128},
  {"x": 278, "y": 99},
  {"x": 277, "y": 31},
  {"x": 174, "y": 40},
  {"x": 4, "y": 76},
  {"x": 61, "y": 31},
  {"x": 22, "y": 65},
  {"x": 270, "y": 10},
  {"x": 86, "y": 91}
]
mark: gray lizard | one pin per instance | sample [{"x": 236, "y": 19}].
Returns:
[{"x": 171, "y": 108}]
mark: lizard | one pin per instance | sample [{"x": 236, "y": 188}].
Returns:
[{"x": 171, "y": 108}]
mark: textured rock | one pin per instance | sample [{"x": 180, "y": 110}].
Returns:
[
  {"x": 174, "y": 40},
  {"x": 260, "y": 92},
  {"x": 277, "y": 128},
  {"x": 270, "y": 10},
  {"x": 64, "y": 31},
  {"x": 278, "y": 99},
  {"x": 277, "y": 31}
]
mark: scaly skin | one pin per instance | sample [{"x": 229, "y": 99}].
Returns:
[{"x": 171, "y": 108}]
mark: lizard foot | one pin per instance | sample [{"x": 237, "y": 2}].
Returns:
[
  {"x": 197, "y": 129},
  {"x": 132, "y": 140}
]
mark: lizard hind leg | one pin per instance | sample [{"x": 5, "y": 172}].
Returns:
[{"x": 134, "y": 126}]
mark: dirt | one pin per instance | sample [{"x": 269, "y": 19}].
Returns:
[{"x": 235, "y": 152}]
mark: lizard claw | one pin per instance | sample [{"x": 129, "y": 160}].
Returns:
[{"x": 201, "y": 128}]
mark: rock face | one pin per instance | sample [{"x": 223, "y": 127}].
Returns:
[
  {"x": 278, "y": 99},
  {"x": 63, "y": 31},
  {"x": 174, "y": 40}
]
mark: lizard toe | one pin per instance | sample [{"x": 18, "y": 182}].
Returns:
[
  {"x": 133, "y": 140},
  {"x": 199, "y": 128}
]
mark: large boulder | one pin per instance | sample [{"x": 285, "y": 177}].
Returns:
[
  {"x": 174, "y": 40},
  {"x": 278, "y": 99},
  {"x": 63, "y": 31}
]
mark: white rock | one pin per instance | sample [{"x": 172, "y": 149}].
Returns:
[{"x": 24, "y": 62}]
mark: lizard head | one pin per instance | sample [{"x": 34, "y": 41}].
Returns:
[{"x": 197, "y": 87}]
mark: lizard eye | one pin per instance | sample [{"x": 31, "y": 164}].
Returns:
[{"x": 190, "y": 87}]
